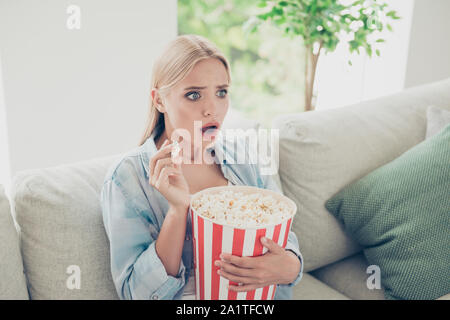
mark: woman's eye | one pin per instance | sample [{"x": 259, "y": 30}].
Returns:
[
  {"x": 222, "y": 93},
  {"x": 194, "y": 94}
]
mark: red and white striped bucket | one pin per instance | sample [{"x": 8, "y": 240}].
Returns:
[{"x": 210, "y": 239}]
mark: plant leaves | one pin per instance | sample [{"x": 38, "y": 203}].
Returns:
[{"x": 323, "y": 21}]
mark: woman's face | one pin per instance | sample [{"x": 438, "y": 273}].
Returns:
[{"x": 201, "y": 98}]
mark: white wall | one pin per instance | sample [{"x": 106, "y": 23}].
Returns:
[
  {"x": 429, "y": 49},
  {"x": 5, "y": 174},
  {"x": 72, "y": 95}
]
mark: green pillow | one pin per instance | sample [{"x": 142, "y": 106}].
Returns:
[{"x": 400, "y": 214}]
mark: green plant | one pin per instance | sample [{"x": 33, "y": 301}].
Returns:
[{"x": 320, "y": 23}]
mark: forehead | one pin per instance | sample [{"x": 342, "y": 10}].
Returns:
[{"x": 206, "y": 73}]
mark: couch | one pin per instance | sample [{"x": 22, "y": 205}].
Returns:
[{"x": 52, "y": 230}]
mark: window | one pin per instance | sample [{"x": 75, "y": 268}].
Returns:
[
  {"x": 339, "y": 84},
  {"x": 268, "y": 68}
]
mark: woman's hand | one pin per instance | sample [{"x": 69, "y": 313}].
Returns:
[
  {"x": 167, "y": 177},
  {"x": 276, "y": 266}
]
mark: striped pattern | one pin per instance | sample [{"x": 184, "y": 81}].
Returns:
[{"x": 211, "y": 239}]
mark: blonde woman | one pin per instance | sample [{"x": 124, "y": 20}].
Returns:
[{"x": 145, "y": 195}]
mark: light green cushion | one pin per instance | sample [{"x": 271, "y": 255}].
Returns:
[{"x": 400, "y": 214}]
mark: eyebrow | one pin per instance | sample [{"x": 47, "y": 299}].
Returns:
[{"x": 200, "y": 88}]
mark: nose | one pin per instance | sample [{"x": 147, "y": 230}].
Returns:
[{"x": 210, "y": 108}]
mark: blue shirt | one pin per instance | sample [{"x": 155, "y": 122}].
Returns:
[{"x": 134, "y": 211}]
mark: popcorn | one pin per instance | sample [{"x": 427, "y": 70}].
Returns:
[
  {"x": 232, "y": 219},
  {"x": 241, "y": 210},
  {"x": 175, "y": 152}
]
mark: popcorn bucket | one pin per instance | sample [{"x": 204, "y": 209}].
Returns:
[{"x": 211, "y": 238}]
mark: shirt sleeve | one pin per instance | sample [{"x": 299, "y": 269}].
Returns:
[
  {"x": 137, "y": 271},
  {"x": 292, "y": 243}
]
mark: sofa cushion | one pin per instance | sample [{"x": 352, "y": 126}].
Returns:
[
  {"x": 437, "y": 119},
  {"x": 62, "y": 234},
  {"x": 349, "y": 276},
  {"x": 400, "y": 214},
  {"x": 323, "y": 151},
  {"x": 310, "y": 288},
  {"x": 12, "y": 279}
]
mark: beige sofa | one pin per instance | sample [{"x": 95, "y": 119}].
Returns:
[{"x": 57, "y": 213}]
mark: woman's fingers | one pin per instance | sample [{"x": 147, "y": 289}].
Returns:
[
  {"x": 230, "y": 268},
  {"x": 243, "y": 262},
  {"x": 164, "y": 150},
  {"x": 160, "y": 164},
  {"x": 165, "y": 142},
  {"x": 236, "y": 278},
  {"x": 163, "y": 179},
  {"x": 247, "y": 287}
]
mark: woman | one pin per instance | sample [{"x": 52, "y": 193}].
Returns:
[{"x": 146, "y": 194}]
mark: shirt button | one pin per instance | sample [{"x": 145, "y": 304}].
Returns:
[
  {"x": 188, "y": 238},
  {"x": 154, "y": 297}
]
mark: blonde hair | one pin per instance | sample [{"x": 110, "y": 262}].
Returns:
[{"x": 173, "y": 65}]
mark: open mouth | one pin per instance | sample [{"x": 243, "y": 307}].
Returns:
[
  {"x": 210, "y": 130},
  {"x": 204, "y": 129}
]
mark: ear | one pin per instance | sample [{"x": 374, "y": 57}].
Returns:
[{"x": 156, "y": 98}]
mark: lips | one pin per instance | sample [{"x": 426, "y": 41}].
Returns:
[{"x": 210, "y": 125}]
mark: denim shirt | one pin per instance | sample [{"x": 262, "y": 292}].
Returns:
[{"x": 133, "y": 214}]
